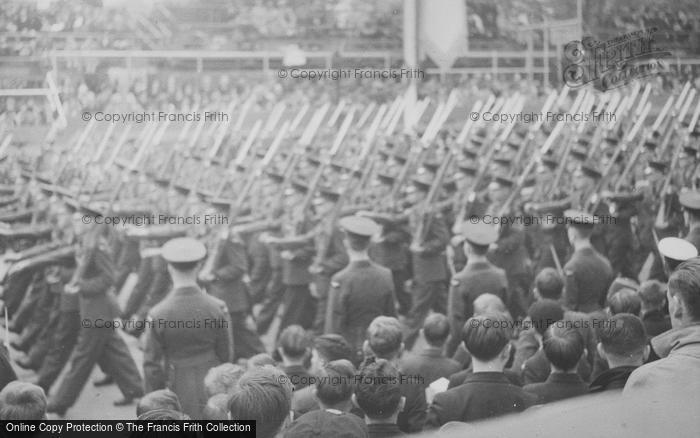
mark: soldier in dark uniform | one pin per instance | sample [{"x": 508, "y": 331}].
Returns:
[
  {"x": 188, "y": 332},
  {"x": 224, "y": 276},
  {"x": 361, "y": 291},
  {"x": 429, "y": 261},
  {"x": 479, "y": 276},
  {"x": 99, "y": 342},
  {"x": 619, "y": 233},
  {"x": 588, "y": 273},
  {"x": 691, "y": 213}
]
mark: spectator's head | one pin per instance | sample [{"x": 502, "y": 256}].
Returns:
[
  {"x": 625, "y": 301},
  {"x": 544, "y": 313},
  {"x": 264, "y": 395},
  {"x": 260, "y": 360},
  {"x": 549, "y": 284},
  {"x": 621, "y": 283},
  {"x": 623, "y": 341},
  {"x": 158, "y": 400},
  {"x": 684, "y": 294},
  {"x": 222, "y": 379},
  {"x": 653, "y": 295},
  {"x": 436, "y": 329},
  {"x": 378, "y": 393},
  {"x": 488, "y": 303},
  {"x": 487, "y": 339},
  {"x": 385, "y": 338},
  {"x": 22, "y": 401},
  {"x": 563, "y": 346},
  {"x": 294, "y": 345},
  {"x": 335, "y": 384},
  {"x": 217, "y": 407},
  {"x": 162, "y": 414},
  {"x": 330, "y": 347}
]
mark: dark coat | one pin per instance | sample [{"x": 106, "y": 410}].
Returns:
[
  {"x": 656, "y": 322},
  {"x": 229, "y": 270},
  {"x": 384, "y": 430},
  {"x": 95, "y": 286},
  {"x": 483, "y": 395},
  {"x": 189, "y": 332},
  {"x": 430, "y": 364},
  {"x": 537, "y": 369},
  {"x": 613, "y": 379},
  {"x": 431, "y": 263},
  {"x": 558, "y": 386}
]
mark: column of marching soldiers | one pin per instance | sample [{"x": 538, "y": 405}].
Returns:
[{"x": 285, "y": 182}]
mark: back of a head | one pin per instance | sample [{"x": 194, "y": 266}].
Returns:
[
  {"x": 385, "y": 337},
  {"x": 652, "y": 293},
  {"x": 332, "y": 347},
  {"x": 260, "y": 360},
  {"x": 621, "y": 283},
  {"x": 22, "y": 401},
  {"x": 544, "y": 313},
  {"x": 685, "y": 282},
  {"x": 486, "y": 336},
  {"x": 549, "y": 284},
  {"x": 563, "y": 346},
  {"x": 488, "y": 303},
  {"x": 217, "y": 407},
  {"x": 625, "y": 301},
  {"x": 623, "y": 336},
  {"x": 158, "y": 400},
  {"x": 336, "y": 382},
  {"x": 294, "y": 341},
  {"x": 162, "y": 414},
  {"x": 377, "y": 392},
  {"x": 436, "y": 329},
  {"x": 222, "y": 378},
  {"x": 264, "y": 395}
]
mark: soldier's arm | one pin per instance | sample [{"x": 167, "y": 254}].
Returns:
[
  {"x": 153, "y": 369},
  {"x": 98, "y": 284},
  {"x": 237, "y": 264},
  {"x": 224, "y": 340},
  {"x": 337, "y": 297},
  {"x": 160, "y": 280},
  {"x": 456, "y": 305},
  {"x": 303, "y": 254},
  {"x": 338, "y": 258},
  {"x": 259, "y": 266},
  {"x": 390, "y": 303},
  {"x": 570, "y": 290}
]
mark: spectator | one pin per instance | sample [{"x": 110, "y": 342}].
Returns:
[
  {"x": 265, "y": 396},
  {"x": 623, "y": 345},
  {"x": 217, "y": 407},
  {"x": 385, "y": 341},
  {"x": 563, "y": 346},
  {"x": 487, "y": 392},
  {"x": 430, "y": 362},
  {"x": 294, "y": 347},
  {"x": 625, "y": 301},
  {"x": 678, "y": 348},
  {"x": 158, "y": 400},
  {"x": 221, "y": 379},
  {"x": 379, "y": 395},
  {"x": 22, "y": 401},
  {"x": 654, "y": 315},
  {"x": 334, "y": 388},
  {"x": 260, "y": 360}
]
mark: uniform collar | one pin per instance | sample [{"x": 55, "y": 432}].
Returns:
[{"x": 487, "y": 377}]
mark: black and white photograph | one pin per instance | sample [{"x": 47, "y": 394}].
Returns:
[{"x": 349, "y": 218}]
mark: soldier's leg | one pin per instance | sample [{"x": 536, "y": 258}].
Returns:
[
  {"x": 322, "y": 283},
  {"x": 300, "y": 307},
  {"x": 438, "y": 290},
  {"x": 15, "y": 290},
  {"x": 422, "y": 302},
  {"x": 403, "y": 297},
  {"x": 116, "y": 361},
  {"x": 246, "y": 342},
  {"x": 272, "y": 302},
  {"x": 23, "y": 314},
  {"x": 89, "y": 348},
  {"x": 62, "y": 343},
  {"x": 40, "y": 348}
]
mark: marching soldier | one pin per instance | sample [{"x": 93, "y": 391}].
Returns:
[
  {"x": 588, "y": 273},
  {"x": 224, "y": 275},
  {"x": 188, "y": 332},
  {"x": 362, "y": 290},
  {"x": 619, "y": 234},
  {"x": 691, "y": 213},
  {"x": 98, "y": 343}
]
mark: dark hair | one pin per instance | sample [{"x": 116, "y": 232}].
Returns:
[
  {"x": 685, "y": 281},
  {"x": 260, "y": 360},
  {"x": 436, "y": 329},
  {"x": 563, "y": 346},
  {"x": 625, "y": 301},
  {"x": 22, "y": 401},
  {"x": 385, "y": 336},
  {"x": 294, "y": 341},
  {"x": 549, "y": 284},
  {"x": 335, "y": 382},
  {"x": 163, "y": 414},
  {"x": 544, "y": 313},
  {"x": 478, "y": 249},
  {"x": 378, "y": 393},
  {"x": 623, "y": 335},
  {"x": 357, "y": 242},
  {"x": 485, "y": 336},
  {"x": 158, "y": 400},
  {"x": 184, "y": 266},
  {"x": 333, "y": 347},
  {"x": 264, "y": 395},
  {"x": 652, "y": 293}
]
